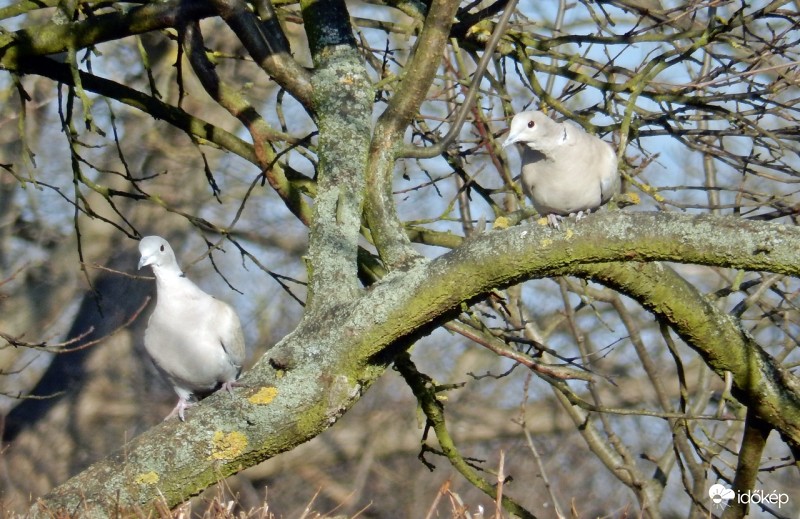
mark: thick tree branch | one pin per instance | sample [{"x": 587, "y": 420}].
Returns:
[
  {"x": 342, "y": 102},
  {"x": 318, "y": 371},
  {"x": 387, "y": 231},
  {"x": 53, "y": 38},
  {"x": 754, "y": 441},
  {"x": 236, "y": 104},
  {"x": 385, "y": 227},
  {"x": 177, "y": 117},
  {"x": 759, "y": 382},
  {"x": 267, "y": 44}
]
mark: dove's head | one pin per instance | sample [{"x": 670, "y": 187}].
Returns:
[
  {"x": 156, "y": 252},
  {"x": 535, "y": 130}
]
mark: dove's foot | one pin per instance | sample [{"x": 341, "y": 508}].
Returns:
[
  {"x": 182, "y": 405},
  {"x": 230, "y": 384},
  {"x": 553, "y": 220}
]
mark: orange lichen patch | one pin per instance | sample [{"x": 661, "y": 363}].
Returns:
[
  {"x": 501, "y": 223},
  {"x": 227, "y": 446},
  {"x": 146, "y": 478},
  {"x": 264, "y": 396}
]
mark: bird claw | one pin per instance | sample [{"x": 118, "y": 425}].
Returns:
[
  {"x": 553, "y": 219},
  {"x": 182, "y": 405},
  {"x": 229, "y": 385}
]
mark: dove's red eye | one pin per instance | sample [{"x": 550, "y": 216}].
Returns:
[{"x": 531, "y": 124}]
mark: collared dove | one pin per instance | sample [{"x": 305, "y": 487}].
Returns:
[
  {"x": 194, "y": 339},
  {"x": 565, "y": 170}
]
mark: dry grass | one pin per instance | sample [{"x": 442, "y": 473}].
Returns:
[{"x": 446, "y": 504}]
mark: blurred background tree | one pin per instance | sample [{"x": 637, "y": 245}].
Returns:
[{"x": 251, "y": 135}]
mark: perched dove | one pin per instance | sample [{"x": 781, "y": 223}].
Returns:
[
  {"x": 194, "y": 339},
  {"x": 564, "y": 169}
]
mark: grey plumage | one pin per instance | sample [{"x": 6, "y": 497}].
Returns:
[
  {"x": 564, "y": 169},
  {"x": 195, "y": 339}
]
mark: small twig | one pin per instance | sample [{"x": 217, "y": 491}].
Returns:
[
  {"x": 444, "y": 489},
  {"x": 118, "y": 272},
  {"x": 498, "y": 510},
  {"x": 542, "y": 472},
  {"x": 502, "y": 349},
  {"x": 64, "y": 347},
  {"x": 472, "y": 93}
]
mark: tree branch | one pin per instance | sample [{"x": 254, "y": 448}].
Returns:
[
  {"x": 429, "y": 152},
  {"x": 759, "y": 382},
  {"x": 318, "y": 371},
  {"x": 385, "y": 227},
  {"x": 342, "y": 102},
  {"x": 426, "y": 394},
  {"x": 265, "y": 41},
  {"x": 151, "y": 105},
  {"x": 754, "y": 441},
  {"x": 236, "y": 104},
  {"x": 53, "y": 38}
]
